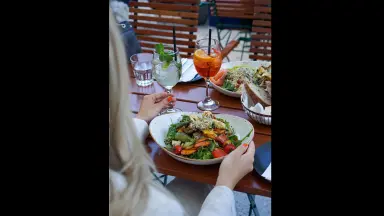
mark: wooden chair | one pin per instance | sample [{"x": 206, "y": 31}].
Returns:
[
  {"x": 153, "y": 23},
  {"x": 261, "y": 44},
  {"x": 241, "y": 11}
]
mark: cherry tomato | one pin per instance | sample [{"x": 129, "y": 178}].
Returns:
[
  {"x": 217, "y": 153},
  {"x": 228, "y": 148},
  {"x": 239, "y": 81},
  {"x": 169, "y": 98},
  {"x": 221, "y": 139},
  {"x": 177, "y": 149}
]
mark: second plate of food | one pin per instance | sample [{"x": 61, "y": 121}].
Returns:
[
  {"x": 200, "y": 138},
  {"x": 232, "y": 75}
]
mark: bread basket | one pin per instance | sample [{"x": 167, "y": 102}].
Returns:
[{"x": 258, "y": 117}]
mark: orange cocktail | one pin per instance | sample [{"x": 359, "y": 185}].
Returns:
[
  {"x": 207, "y": 65},
  {"x": 207, "y": 60}
]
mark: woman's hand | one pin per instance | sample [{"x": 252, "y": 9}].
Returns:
[
  {"x": 236, "y": 165},
  {"x": 152, "y": 105}
]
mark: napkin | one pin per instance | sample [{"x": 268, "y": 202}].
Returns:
[
  {"x": 267, "y": 173},
  {"x": 258, "y": 108},
  {"x": 263, "y": 163},
  {"x": 188, "y": 72}
]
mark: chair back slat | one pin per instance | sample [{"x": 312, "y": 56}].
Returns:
[
  {"x": 261, "y": 39},
  {"x": 153, "y": 23}
]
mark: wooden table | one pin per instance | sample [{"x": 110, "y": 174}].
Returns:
[{"x": 188, "y": 94}]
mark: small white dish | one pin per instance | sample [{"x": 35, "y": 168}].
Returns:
[{"x": 255, "y": 112}]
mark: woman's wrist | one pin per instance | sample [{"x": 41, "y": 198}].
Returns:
[
  {"x": 225, "y": 182},
  {"x": 138, "y": 116}
]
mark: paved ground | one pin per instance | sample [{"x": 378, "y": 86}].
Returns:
[{"x": 242, "y": 204}]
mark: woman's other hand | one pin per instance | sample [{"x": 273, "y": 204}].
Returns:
[
  {"x": 236, "y": 165},
  {"x": 152, "y": 105}
]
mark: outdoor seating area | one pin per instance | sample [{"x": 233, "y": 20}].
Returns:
[{"x": 214, "y": 57}]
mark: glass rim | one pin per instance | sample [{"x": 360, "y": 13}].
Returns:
[
  {"x": 206, "y": 39},
  {"x": 169, "y": 48},
  {"x": 136, "y": 54}
]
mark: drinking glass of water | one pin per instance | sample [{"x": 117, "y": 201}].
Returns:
[
  {"x": 142, "y": 68},
  {"x": 167, "y": 71}
]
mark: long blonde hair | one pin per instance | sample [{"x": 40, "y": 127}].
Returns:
[{"x": 127, "y": 154}]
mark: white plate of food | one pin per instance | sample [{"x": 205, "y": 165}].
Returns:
[
  {"x": 200, "y": 138},
  {"x": 232, "y": 75}
]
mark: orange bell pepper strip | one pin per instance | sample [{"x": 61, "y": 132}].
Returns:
[
  {"x": 188, "y": 151},
  {"x": 219, "y": 131},
  {"x": 201, "y": 144},
  {"x": 210, "y": 133},
  {"x": 201, "y": 139}
]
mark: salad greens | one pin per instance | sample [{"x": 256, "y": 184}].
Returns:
[
  {"x": 228, "y": 85},
  {"x": 227, "y": 126},
  {"x": 172, "y": 131},
  {"x": 202, "y": 137},
  {"x": 202, "y": 153},
  {"x": 183, "y": 137}
]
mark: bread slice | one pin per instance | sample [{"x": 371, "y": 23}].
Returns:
[{"x": 257, "y": 94}]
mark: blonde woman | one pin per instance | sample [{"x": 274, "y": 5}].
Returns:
[{"x": 132, "y": 192}]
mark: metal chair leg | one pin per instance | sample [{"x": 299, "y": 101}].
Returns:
[
  {"x": 242, "y": 51},
  {"x": 158, "y": 178},
  {"x": 229, "y": 37},
  {"x": 219, "y": 38},
  {"x": 252, "y": 205}
]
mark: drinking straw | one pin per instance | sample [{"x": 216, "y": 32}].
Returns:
[
  {"x": 209, "y": 42},
  {"x": 174, "y": 43}
]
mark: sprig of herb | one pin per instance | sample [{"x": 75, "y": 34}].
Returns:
[
  {"x": 237, "y": 143},
  {"x": 164, "y": 56}
]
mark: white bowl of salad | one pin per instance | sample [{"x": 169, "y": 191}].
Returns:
[
  {"x": 200, "y": 138},
  {"x": 229, "y": 80}
]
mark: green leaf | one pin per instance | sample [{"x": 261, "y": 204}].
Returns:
[
  {"x": 169, "y": 147},
  {"x": 228, "y": 86},
  {"x": 183, "y": 137},
  {"x": 168, "y": 57},
  {"x": 237, "y": 143},
  {"x": 233, "y": 138},
  {"x": 178, "y": 66},
  {"x": 212, "y": 146},
  {"x": 203, "y": 153},
  {"x": 171, "y": 134},
  {"x": 166, "y": 65},
  {"x": 227, "y": 125},
  {"x": 185, "y": 118},
  {"x": 162, "y": 56},
  {"x": 159, "y": 48}
]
